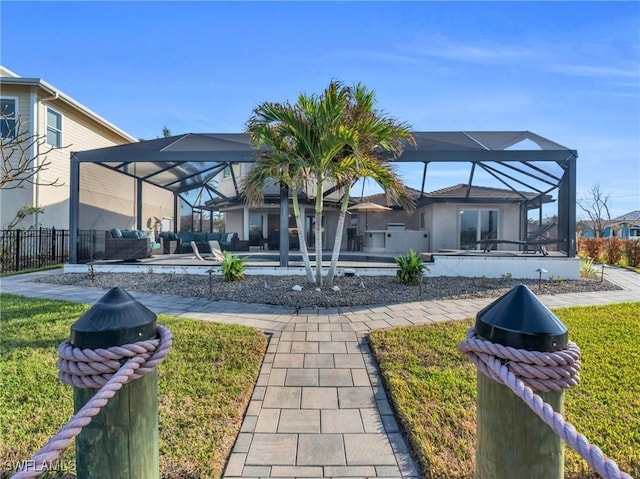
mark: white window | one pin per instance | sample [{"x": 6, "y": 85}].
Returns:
[
  {"x": 8, "y": 117},
  {"x": 54, "y": 128}
]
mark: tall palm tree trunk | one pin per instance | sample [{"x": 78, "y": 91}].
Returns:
[
  {"x": 319, "y": 233},
  {"x": 337, "y": 243},
  {"x": 301, "y": 240}
]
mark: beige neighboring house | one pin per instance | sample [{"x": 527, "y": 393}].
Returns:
[{"x": 107, "y": 198}]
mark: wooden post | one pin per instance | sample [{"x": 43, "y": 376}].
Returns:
[
  {"x": 512, "y": 441},
  {"x": 121, "y": 442}
]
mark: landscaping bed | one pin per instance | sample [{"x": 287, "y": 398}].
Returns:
[{"x": 353, "y": 291}]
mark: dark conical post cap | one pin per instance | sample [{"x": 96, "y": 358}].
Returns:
[
  {"x": 116, "y": 319},
  {"x": 518, "y": 319}
]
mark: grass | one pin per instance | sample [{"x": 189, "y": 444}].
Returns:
[
  {"x": 31, "y": 270},
  {"x": 204, "y": 386},
  {"x": 433, "y": 389}
]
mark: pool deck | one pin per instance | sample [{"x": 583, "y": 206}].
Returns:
[{"x": 319, "y": 408}]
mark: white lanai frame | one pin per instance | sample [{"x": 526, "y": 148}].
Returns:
[{"x": 186, "y": 162}]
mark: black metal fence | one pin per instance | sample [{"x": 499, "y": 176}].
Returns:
[{"x": 37, "y": 248}]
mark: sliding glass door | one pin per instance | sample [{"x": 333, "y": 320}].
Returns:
[{"x": 476, "y": 225}]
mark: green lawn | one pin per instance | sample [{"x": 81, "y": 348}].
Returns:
[
  {"x": 204, "y": 386},
  {"x": 433, "y": 389}
]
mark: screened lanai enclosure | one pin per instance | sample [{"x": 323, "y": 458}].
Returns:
[{"x": 203, "y": 173}]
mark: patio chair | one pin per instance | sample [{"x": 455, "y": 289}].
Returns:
[
  {"x": 196, "y": 252},
  {"x": 534, "y": 242},
  {"x": 216, "y": 250}
]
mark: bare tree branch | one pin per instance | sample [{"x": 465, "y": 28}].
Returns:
[
  {"x": 596, "y": 206},
  {"x": 20, "y": 165}
]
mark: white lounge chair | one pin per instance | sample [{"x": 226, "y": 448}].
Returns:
[
  {"x": 196, "y": 252},
  {"x": 216, "y": 250}
]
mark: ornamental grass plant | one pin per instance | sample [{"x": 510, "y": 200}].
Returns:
[{"x": 410, "y": 267}]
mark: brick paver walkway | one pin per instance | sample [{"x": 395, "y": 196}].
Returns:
[{"x": 319, "y": 409}]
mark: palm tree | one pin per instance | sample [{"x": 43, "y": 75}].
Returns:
[
  {"x": 302, "y": 140},
  {"x": 337, "y": 137},
  {"x": 280, "y": 128},
  {"x": 376, "y": 139}
]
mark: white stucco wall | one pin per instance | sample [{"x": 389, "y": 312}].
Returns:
[
  {"x": 496, "y": 267},
  {"x": 234, "y": 222},
  {"x": 442, "y": 220}
]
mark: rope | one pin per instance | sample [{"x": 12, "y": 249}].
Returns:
[
  {"x": 524, "y": 372},
  {"x": 100, "y": 368}
]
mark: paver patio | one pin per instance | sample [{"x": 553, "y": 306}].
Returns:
[{"x": 319, "y": 408}]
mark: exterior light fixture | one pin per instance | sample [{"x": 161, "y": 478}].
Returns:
[
  {"x": 540, "y": 271},
  {"x": 210, "y": 271}
]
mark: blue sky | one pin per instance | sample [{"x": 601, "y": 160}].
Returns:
[{"x": 569, "y": 71}]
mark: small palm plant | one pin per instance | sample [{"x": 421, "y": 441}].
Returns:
[
  {"x": 410, "y": 267},
  {"x": 233, "y": 267},
  {"x": 587, "y": 268}
]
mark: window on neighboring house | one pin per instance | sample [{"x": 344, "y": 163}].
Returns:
[
  {"x": 226, "y": 173},
  {"x": 8, "y": 117},
  {"x": 54, "y": 128}
]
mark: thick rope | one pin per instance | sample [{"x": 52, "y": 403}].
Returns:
[
  {"x": 540, "y": 372},
  {"x": 104, "y": 372}
]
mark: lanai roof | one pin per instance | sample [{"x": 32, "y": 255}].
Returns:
[{"x": 184, "y": 162}]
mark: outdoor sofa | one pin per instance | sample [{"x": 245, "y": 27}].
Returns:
[
  {"x": 180, "y": 242},
  {"x": 129, "y": 244}
]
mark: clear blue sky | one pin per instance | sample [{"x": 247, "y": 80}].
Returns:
[{"x": 567, "y": 71}]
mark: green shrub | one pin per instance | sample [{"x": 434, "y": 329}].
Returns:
[
  {"x": 613, "y": 250},
  {"x": 410, "y": 267},
  {"x": 632, "y": 252},
  {"x": 233, "y": 267}
]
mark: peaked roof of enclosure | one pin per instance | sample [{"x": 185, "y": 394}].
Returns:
[{"x": 184, "y": 162}]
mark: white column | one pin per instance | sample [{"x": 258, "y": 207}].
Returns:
[{"x": 245, "y": 227}]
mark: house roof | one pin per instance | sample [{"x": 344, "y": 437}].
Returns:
[
  {"x": 381, "y": 198},
  {"x": 631, "y": 216},
  {"x": 470, "y": 192},
  {"x": 467, "y": 193},
  {"x": 7, "y": 77}
]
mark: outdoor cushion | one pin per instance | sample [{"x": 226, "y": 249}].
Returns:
[
  {"x": 116, "y": 233},
  {"x": 130, "y": 234}
]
